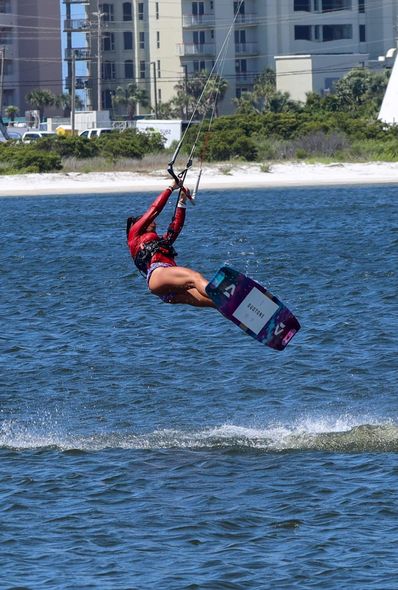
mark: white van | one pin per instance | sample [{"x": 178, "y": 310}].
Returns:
[
  {"x": 95, "y": 132},
  {"x": 29, "y": 136}
]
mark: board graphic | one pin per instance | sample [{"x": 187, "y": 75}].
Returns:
[{"x": 253, "y": 308}]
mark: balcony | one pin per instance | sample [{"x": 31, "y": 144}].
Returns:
[
  {"x": 245, "y": 78},
  {"x": 191, "y": 49},
  {"x": 76, "y": 25},
  {"x": 198, "y": 20},
  {"x": 246, "y": 19},
  {"x": 246, "y": 49},
  {"x": 81, "y": 53},
  {"x": 7, "y": 20}
]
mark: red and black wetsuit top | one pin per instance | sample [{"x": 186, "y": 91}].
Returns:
[{"x": 146, "y": 248}]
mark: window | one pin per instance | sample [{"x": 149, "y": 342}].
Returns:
[
  {"x": 107, "y": 10},
  {"x": 158, "y": 39},
  {"x": 302, "y": 5},
  {"x": 157, "y": 10},
  {"x": 142, "y": 40},
  {"x": 362, "y": 33},
  {"x": 129, "y": 69},
  {"x": 8, "y": 67},
  {"x": 329, "y": 84},
  {"x": 240, "y": 37},
  {"x": 241, "y": 91},
  {"x": 199, "y": 66},
  {"x": 159, "y": 94},
  {"x": 140, "y": 11},
  {"x": 8, "y": 97},
  {"x": 198, "y": 8},
  {"x": 158, "y": 69},
  {"x": 239, "y": 8},
  {"x": 142, "y": 70},
  {"x": 302, "y": 32},
  {"x": 241, "y": 66},
  {"x": 108, "y": 71},
  {"x": 5, "y": 36},
  {"x": 108, "y": 42},
  {"x": 199, "y": 37},
  {"x": 5, "y": 6},
  {"x": 127, "y": 40},
  {"x": 106, "y": 99},
  {"x": 337, "y": 32},
  {"x": 317, "y": 32},
  {"x": 127, "y": 11},
  {"x": 361, "y": 6}
]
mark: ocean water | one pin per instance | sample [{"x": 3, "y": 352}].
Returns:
[{"x": 147, "y": 446}]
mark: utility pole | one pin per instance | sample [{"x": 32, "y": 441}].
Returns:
[
  {"x": 155, "y": 88},
  {"x": 99, "y": 16},
  {"x": 2, "y": 50},
  {"x": 186, "y": 89},
  {"x": 73, "y": 92},
  {"x": 3, "y": 127}
]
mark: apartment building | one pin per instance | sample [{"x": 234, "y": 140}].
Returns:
[
  {"x": 30, "y": 44},
  {"x": 156, "y": 44}
]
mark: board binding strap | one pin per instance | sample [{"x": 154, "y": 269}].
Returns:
[{"x": 253, "y": 308}]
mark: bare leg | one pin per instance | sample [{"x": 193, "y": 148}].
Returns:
[
  {"x": 192, "y": 297},
  {"x": 188, "y": 285}
]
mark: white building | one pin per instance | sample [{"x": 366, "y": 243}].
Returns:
[{"x": 310, "y": 43}]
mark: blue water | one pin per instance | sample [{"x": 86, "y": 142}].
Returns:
[{"x": 147, "y": 446}]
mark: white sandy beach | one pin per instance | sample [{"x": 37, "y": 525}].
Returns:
[{"x": 223, "y": 176}]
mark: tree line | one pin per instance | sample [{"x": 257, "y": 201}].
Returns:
[
  {"x": 361, "y": 90},
  {"x": 266, "y": 126}
]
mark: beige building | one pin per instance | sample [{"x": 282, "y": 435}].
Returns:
[
  {"x": 30, "y": 38},
  {"x": 156, "y": 44}
]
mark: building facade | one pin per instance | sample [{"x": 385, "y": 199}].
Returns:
[
  {"x": 30, "y": 49},
  {"x": 155, "y": 44}
]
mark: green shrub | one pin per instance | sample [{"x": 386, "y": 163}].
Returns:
[
  {"x": 75, "y": 147},
  {"x": 24, "y": 158},
  {"x": 301, "y": 154},
  {"x": 130, "y": 144},
  {"x": 37, "y": 161}
]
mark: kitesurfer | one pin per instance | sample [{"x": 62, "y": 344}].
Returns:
[{"x": 154, "y": 255}]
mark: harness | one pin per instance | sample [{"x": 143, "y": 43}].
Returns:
[{"x": 144, "y": 255}]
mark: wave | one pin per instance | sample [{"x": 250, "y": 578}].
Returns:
[{"x": 309, "y": 435}]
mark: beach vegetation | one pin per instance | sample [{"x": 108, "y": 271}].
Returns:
[
  {"x": 22, "y": 159},
  {"x": 267, "y": 126}
]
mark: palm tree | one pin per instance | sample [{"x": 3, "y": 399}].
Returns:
[
  {"x": 129, "y": 96},
  {"x": 214, "y": 92},
  {"x": 64, "y": 101},
  {"x": 246, "y": 104},
  {"x": 39, "y": 99},
  {"x": 11, "y": 112},
  {"x": 209, "y": 89}
]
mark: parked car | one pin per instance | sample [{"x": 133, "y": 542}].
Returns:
[
  {"x": 11, "y": 135},
  {"x": 96, "y": 132},
  {"x": 29, "y": 136},
  {"x": 14, "y": 135}
]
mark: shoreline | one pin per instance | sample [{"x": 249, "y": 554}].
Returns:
[{"x": 219, "y": 177}]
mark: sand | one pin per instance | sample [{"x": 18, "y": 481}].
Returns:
[{"x": 223, "y": 176}]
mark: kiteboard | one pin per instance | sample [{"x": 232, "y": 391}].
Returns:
[{"x": 252, "y": 307}]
